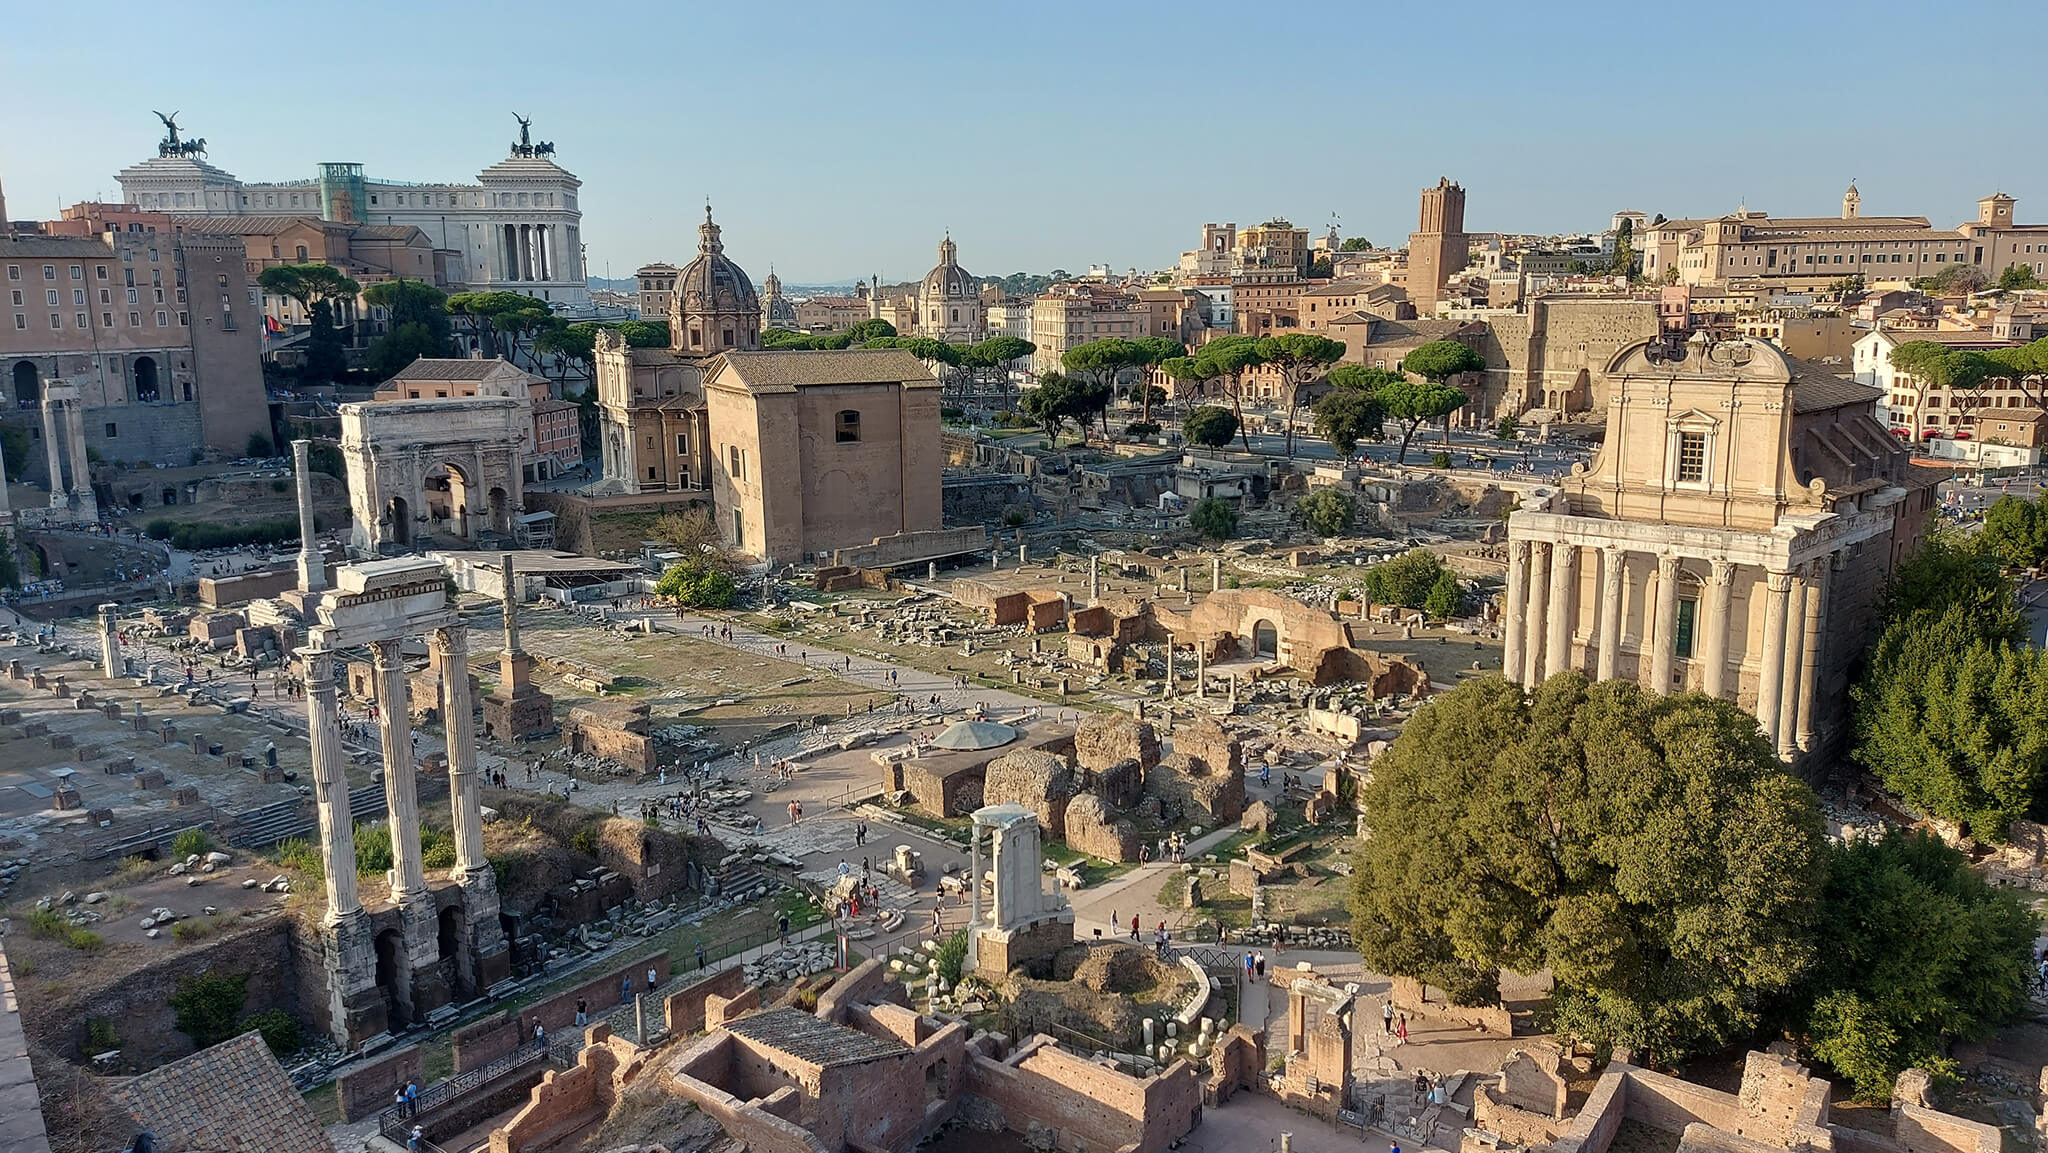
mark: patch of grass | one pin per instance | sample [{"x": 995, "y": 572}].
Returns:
[
  {"x": 1232, "y": 846},
  {"x": 325, "y": 1104},
  {"x": 100, "y": 1036},
  {"x": 300, "y": 855},
  {"x": 191, "y": 842},
  {"x": 191, "y": 930},
  {"x": 49, "y": 925},
  {"x": 135, "y": 870}
]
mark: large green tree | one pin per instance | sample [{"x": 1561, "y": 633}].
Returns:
[
  {"x": 1351, "y": 410},
  {"x": 1405, "y": 580},
  {"x": 1210, "y": 426},
  {"x": 1327, "y": 512},
  {"x": 1415, "y": 402},
  {"x": 1649, "y": 850},
  {"x": 1214, "y": 518},
  {"x": 417, "y": 320},
  {"x": 1301, "y": 357},
  {"x": 1228, "y": 358},
  {"x": 2016, "y": 529},
  {"x": 318, "y": 288},
  {"x": 1916, "y": 950}
]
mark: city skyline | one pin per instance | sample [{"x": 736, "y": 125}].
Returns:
[{"x": 829, "y": 158}]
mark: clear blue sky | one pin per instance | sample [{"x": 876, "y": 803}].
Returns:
[{"x": 839, "y": 139}]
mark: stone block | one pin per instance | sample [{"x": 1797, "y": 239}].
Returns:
[
  {"x": 1040, "y": 781},
  {"x": 1105, "y": 739},
  {"x": 1093, "y": 829}
]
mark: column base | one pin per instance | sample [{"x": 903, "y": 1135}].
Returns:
[{"x": 356, "y": 1008}]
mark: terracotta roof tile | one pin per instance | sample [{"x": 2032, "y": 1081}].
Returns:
[{"x": 231, "y": 1098}]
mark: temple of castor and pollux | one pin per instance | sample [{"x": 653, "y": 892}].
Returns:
[{"x": 1730, "y": 536}]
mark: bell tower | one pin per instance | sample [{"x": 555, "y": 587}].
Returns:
[{"x": 1852, "y": 203}]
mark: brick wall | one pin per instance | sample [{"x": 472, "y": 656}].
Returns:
[
  {"x": 491, "y": 1038},
  {"x": 569, "y": 1099},
  {"x": 756, "y": 1123},
  {"x": 1088, "y": 1105},
  {"x": 367, "y": 1088},
  {"x": 684, "y": 1010}
]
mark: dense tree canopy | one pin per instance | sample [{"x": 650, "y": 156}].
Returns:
[
  {"x": 1301, "y": 357},
  {"x": 1351, "y": 410},
  {"x": 1649, "y": 850},
  {"x": 2016, "y": 530},
  {"x": 1327, "y": 512},
  {"x": 1210, "y": 426},
  {"x": 1915, "y": 949},
  {"x": 1214, "y": 518},
  {"x": 695, "y": 584},
  {"x": 1414, "y": 402},
  {"x": 1405, "y": 580}
]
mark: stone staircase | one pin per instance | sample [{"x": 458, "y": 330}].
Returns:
[{"x": 268, "y": 825}]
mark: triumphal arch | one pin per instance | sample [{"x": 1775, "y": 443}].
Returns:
[{"x": 421, "y": 470}]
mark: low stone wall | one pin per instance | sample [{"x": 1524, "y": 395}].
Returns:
[
  {"x": 913, "y": 547},
  {"x": 1409, "y": 997},
  {"x": 1600, "y": 1117},
  {"x": 1920, "y": 1130},
  {"x": 365, "y": 1089},
  {"x": 568, "y": 1100},
  {"x": 483, "y": 1042},
  {"x": 684, "y": 1010},
  {"x": 763, "y": 1124},
  {"x": 1047, "y": 1087},
  {"x": 137, "y": 1003}
]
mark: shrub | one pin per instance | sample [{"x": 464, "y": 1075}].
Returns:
[
  {"x": 1446, "y": 598},
  {"x": 1014, "y": 516},
  {"x": 696, "y": 585},
  {"x": 207, "y": 1006},
  {"x": 280, "y": 1030},
  {"x": 1327, "y": 512},
  {"x": 1440, "y": 460},
  {"x": 191, "y": 930},
  {"x": 1142, "y": 429},
  {"x": 1214, "y": 518},
  {"x": 584, "y": 840},
  {"x": 191, "y": 842},
  {"x": 100, "y": 1036},
  {"x": 373, "y": 850},
  {"x": 49, "y": 925},
  {"x": 259, "y": 445},
  {"x": 1407, "y": 580},
  {"x": 951, "y": 955},
  {"x": 300, "y": 854}
]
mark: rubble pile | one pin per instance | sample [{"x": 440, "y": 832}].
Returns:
[{"x": 790, "y": 963}]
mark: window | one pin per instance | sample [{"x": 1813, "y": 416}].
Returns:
[
  {"x": 112, "y": 432},
  {"x": 682, "y": 444},
  {"x": 134, "y": 319},
  {"x": 1692, "y": 457},
  {"x": 50, "y": 297},
  {"x": 56, "y": 321},
  {"x": 77, "y": 297},
  {"x": 728, "y": 338},
  {"x": 17, "y": 298},
  {"x": 99, "y": 271},
  {"x": 49, "y": 272},
  {"x": 83, "y": 322},
  {"x": 78, "y": 272},
  {"x": 846, "y": 426},
  {"x": 302, "y": 254},
  {"x": 732, "y": 461},
  {"x": 696, "y": 339},
  {"x": 106, "y": 320},
  {"x": 14, "y": 272},
  {"x": 161, "y": 320},
  {"x": 1681, "y": 637},
  {"x": 20, "y": 321}
]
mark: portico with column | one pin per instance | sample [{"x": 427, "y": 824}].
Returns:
[
  {"x": 392, "y": 965},
  {"x": 1735, "y": 503}
]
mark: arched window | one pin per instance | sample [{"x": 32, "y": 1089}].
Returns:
[
  {"x": 28, "y": 388},
  {"x": 146, "y": 389},
  {"x": 846, "y": 426}
]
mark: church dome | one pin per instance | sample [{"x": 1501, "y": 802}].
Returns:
[
  {"x": 948, "y": 281},
  {"x": 713, "y": 284}
]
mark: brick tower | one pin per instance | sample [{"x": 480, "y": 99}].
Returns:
[{"x": 1438, "y": 247}]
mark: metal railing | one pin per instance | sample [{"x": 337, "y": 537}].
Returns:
[{"x": 396, "y": 1121}]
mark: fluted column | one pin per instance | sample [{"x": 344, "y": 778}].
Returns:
[
  {"x": 1720, "y": 604},
  {"x": 1513, "y": 603},
  {"x": 110, "y": 642},
  {"x": 451, "y": 661},
  {"x": 1795, "y": 652},
  {"x": 1564, "y": 608},
  {"x": 401, "y": 789},
  {"x": 1539, "y": 602},
  {"x": 1771, "y": 658},
  {"x": 330, "y": 787},
  {"x": 1613, "y": 597},
  {"x": 1665, "y": 634},
  {"x": 1809, "y": 664}
]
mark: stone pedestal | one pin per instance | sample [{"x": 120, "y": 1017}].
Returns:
[
  {"x": 356, "y": 1009},
  {"x": 516, "y": 709}
]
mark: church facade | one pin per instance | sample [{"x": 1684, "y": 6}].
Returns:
[
  {"x": 948, "y": 303},
  {"x": 1732, "y": 536}
]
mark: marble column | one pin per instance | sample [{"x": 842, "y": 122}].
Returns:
[
  {"x": 1169, "y": 664},
  {"x": 1201, "y": 670},
  {"x": 1613, "y": 598},
  {"x": 451, "y": 660},
  {"x": 1720, "y": 606},
  {"x": 401, "y": 790},
  {"x": 1539, "y": 599},
  {"x": 1513, "y": 603},
  {"x": 1664, "y": 635},
  {"x": 1795, "y": 652},
  {"x": 973, "y": 961},
  {"x": 54, "y": 453},
  {"x": 1809, "y": 664},
  {"x": 110, "y": 642},
  {"x": 1564, "y": 608},
  {"x": 1094, "y": 580},
  {"x": 312, "y": 568},
  {"x": 1771, "y": 659},
  {"x": 74, "y": 422},
  {"x": 1215, "y": 573},
  {"x": 330, "y": 787}
]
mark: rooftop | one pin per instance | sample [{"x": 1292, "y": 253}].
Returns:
[
  {"x": 810, "y": 1039},
  {"x": 778, "y": 371},
  {"x": 449, "y": 368},
  {"x": 231, "y": 1098}
]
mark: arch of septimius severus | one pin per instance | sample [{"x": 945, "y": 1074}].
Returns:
[{"x": 1732, "y": 536}]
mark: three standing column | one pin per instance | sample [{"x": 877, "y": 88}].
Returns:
[
  {"x": 451, "y": 663},
  {"x": 330, "y": 787},
  {"x": 401, "y": 789}
]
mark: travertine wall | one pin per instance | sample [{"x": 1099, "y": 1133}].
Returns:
[
  {"x": 1104, "y": 739},
  {"x": 1094, "y": 830},
  {"x": 1089, "y": 1105}
]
